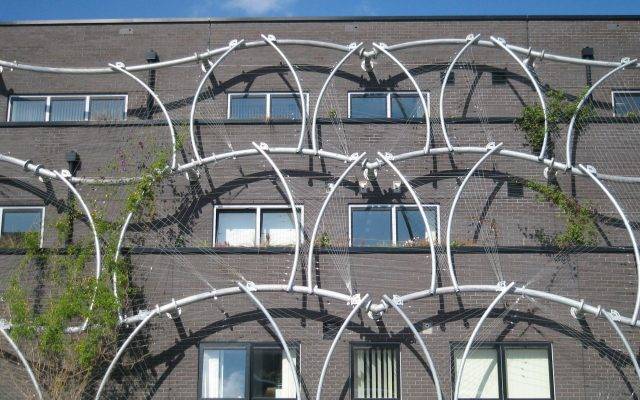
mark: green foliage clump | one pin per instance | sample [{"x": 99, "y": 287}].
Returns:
[
  {"x": 580, "y": 230},
  {"x": 560, "y": 110}
]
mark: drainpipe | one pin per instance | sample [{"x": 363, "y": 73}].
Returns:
[{"x": 152, "y": 57}]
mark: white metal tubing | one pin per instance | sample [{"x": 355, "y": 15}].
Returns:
[
  {"x": 316, "y": 225},
  {"x": 495, "y": 301},
  {"x": 310, "y": 43},
  {"x": 294, "y": 212},
  {"x": 232, "y": 46},
  {"x": 335, "y": 342},
  {"x": 569, "y": 145},
  {"x": 96, "y": 240},
  {"x": 471, "y": 39},
  {"x": 114, "y": 278},
  {"x": 169, "y": 63},
  {"x": 500, "y": 42},
  {"x": 632, "y": 236},
  {"x": 24, "y": 362},
  {"x": 416, "y": 199},
  {"x": 423, "y": 346},
  {"x": 383, "y": 48},
  {"x": 153, "y": 94},
  {"x": 516, "y": 49},
  {"x": 452, "y": 274},
  {"x": 303, "y": 107},
  {"x": 276, "y": 330},
  {"x": 314, "y": 128},
  {"x": 625, "y": 342},
  {"x": 122, "y": 348}
]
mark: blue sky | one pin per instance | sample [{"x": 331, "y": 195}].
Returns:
[{"x": 75, "y": 9}]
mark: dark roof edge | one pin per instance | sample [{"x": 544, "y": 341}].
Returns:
[{"x": 593, "y": 17}]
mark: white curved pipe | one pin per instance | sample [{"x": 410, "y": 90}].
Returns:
[
  {"x": 534, "y": 82},
  {"x": 276, "y": 330},
  {"x": 294, "y": 211},
  {"x": 24, "y": 362},
  {"x": 303, "y": 106},
  {"x": 452, "y": 274},
  {"x": 632, "y": 236},
  {"x": 423, "y": 346},
  {"x": 122, "y": 348},
  {"x": 96, "y": 241},
  {"x": 314, "y": 128},
  {"x": 471, "y": 39},
  {"x": 625, "y": 342},
  {"x": 169, "y": 63},
  {"x": 495, "y": 301},
  {"x": 569, "y": 144},
  {"x": 416, "y": 199},
  {"x": 316, "y": 225},
  {"x": 383, "y": 48},
  {"x": 335, "y": 343},
  {"x": 153, "y": 94},
  {"x": 114, "y": 278},
  {"x": 232, "y": 46}
]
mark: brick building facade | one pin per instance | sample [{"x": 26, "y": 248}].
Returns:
[{"x": 502, "y": 230}]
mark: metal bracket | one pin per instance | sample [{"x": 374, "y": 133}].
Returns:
[
  {"x": 251, "y": 286},
  {"x": 578, "y": 313},
  {"x": 502, "y": 284},
  {"x": 264, "y": 146},
  {"x": 354, "y": 300},
  {"x": 397, "y": 300},
  {"x": 353, "y": 45},
  {"x": 65, "y": 173},
  {"x": 4, "y": 324},
  {"x": 615, "y": 314},
  {"x": 176, "y": 312}
]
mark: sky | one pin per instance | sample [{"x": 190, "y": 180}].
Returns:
[{"x": 14, "y": 10}]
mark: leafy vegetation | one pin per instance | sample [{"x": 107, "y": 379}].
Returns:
[
  {"x": 560, "y": 110},
  {"x": 580, "y": 229}
]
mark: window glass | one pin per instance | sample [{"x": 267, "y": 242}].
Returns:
[
  {"x": 65, "y": 109},
  {"x": 107, "y": 109},
  {"x": 376, "y": 372},
  {"x": 21, "y": 221},
  {"x": 527, "y": 372},
  {"x": 28, "y": 110},
  {"x": 236, "y": 228},
  {"x": 277, "y": 227},
  {"x": 405, "y": 106},
  {"x": 285, "y": 106},
  {"x": 272, "y": 375},
  {"x": 410, "y": 228},
  {"x": 223, "y": 373},
  {"x": 480, "y": 376},
  {"x": 371, "y": 226},
  {"x": 369, "y": 105},
  {"x": 627, "y": 104},
  {"x": 248, "y": 107}
]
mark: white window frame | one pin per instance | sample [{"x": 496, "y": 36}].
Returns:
[
  {"x": 41, "y": 208},
  {"x": 613, "y": 98},
  {"x": 87, "y": 103},
  {"x": 427, "y": 99},
  {"x": 267, "y": 96},
  {"x": 258, "y": 209},
  {"x": 394, "y": 213}
]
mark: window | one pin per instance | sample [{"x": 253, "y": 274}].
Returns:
[
  {"x": 506, "y": 371},
  {"x": 392, "y": 225},
  {"x": 626, "y": 103},
  {"x": 67, "y": 108},
  {"x": 375, "y": 371},
  {"x": 16, "y": 221},
  {"x": 246, "y": 371},
  {"x": 245, "y": 226},
  {"x": 401, "y": 105},
  {"x": 261, "y": 106}
]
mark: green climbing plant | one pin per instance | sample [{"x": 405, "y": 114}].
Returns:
[
  {"x": 560, "y": 110},
  {"x": 580, "y": 229},
  {"x": 67, "y": 362}
]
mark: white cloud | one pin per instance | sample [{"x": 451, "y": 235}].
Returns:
[{"x": 257, "y": 7}]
